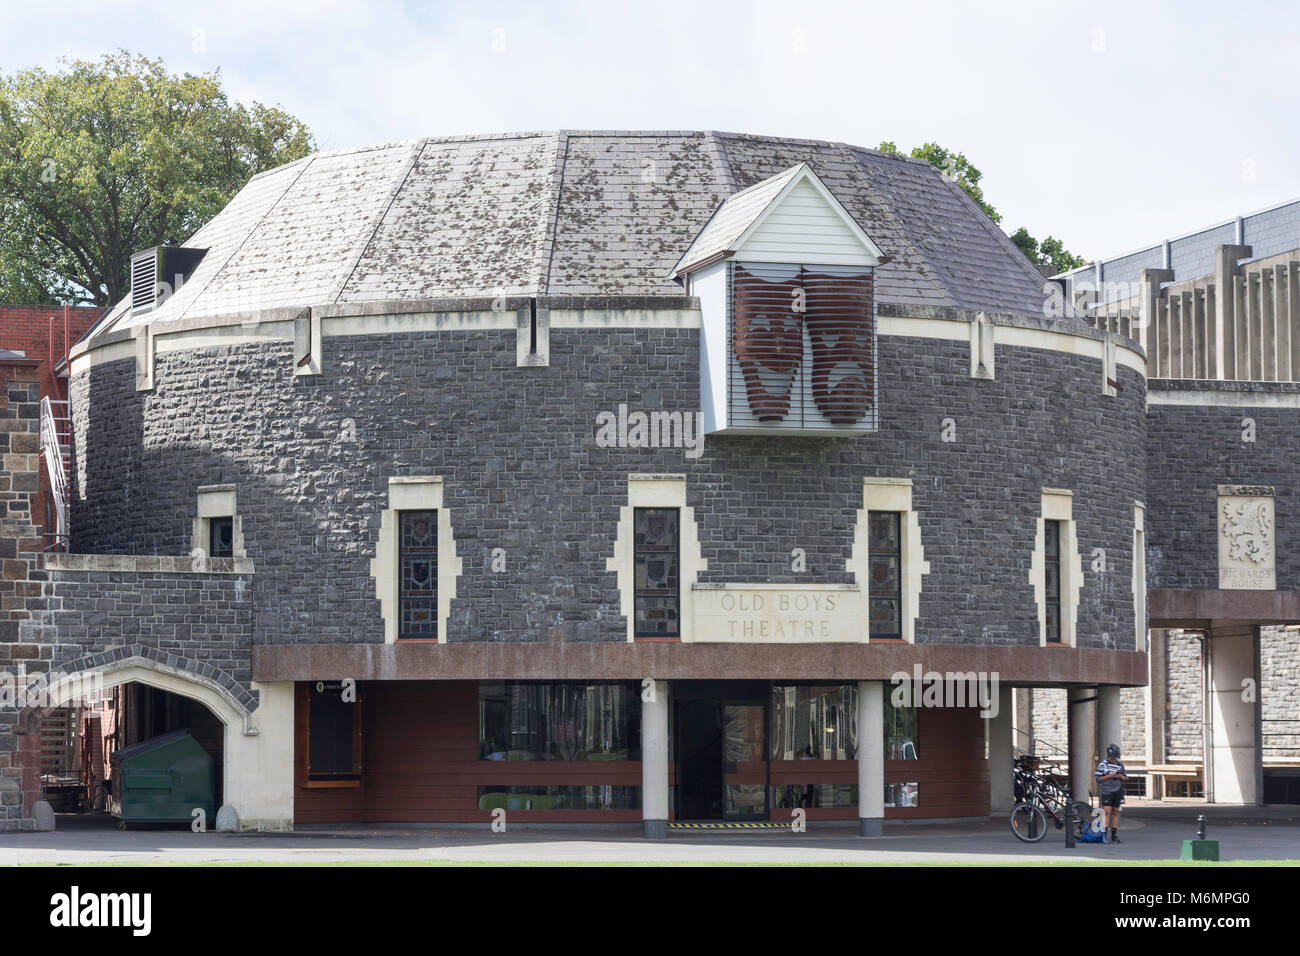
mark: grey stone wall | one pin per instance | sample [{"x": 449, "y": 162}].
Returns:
[
  {"x": 1279, "y": 693},
  {"x": 1193, "y": 450},
  {"x": 198, "y": 622},
  {"x": 20, "y": 588},
  {"x": 1183, "y": 709},
  {"x": 517, "y": 450},
  {"x": 1132, "y": 714}
]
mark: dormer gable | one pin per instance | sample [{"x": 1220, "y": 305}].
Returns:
[{"x": 790, "y": 217}]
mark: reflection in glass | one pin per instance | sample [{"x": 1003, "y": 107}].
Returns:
[
  {"x": 901, "y": 731},
  {"x": 902, "y": 794},
  {"x": 525, "y": 721},
  {"x": 523, "y": 797},
  {"x": 811, "y": 722},
  {"x": 816, "y": 795}
]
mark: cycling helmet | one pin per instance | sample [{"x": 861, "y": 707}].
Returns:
[{"x": 1112, "y": 751}]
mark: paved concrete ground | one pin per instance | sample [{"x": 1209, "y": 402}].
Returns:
[{"x": 1149, "y": 833}]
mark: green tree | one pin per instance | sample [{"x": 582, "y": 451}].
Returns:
[
  {"x": 1049, "y": 252},
  {"x": 958, "y": 168},
  {"x": 101, "y": 159},
  {"x": 953, "y": 165}
]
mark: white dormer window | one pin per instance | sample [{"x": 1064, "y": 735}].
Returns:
[{"x": 785, "y": 278}]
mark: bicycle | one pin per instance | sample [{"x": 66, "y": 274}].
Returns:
[{"x": 1028, "y": 819}]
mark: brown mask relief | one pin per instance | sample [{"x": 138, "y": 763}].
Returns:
[
  {"x": 770, "y": 315},
  {"x": 768, "y": 341},
  {"x": 841, "y": 332}
]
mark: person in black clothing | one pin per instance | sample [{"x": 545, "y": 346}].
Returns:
[{"x": 1110, "y": 779}]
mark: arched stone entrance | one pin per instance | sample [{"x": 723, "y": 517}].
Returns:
[{"x": 257, "y": 753}]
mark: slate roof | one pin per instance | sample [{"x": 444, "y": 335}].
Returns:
[
  {"x": 736, "y": 214},
  {"x": 567, "y": 213}
]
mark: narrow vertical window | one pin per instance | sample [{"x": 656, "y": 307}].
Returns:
[
  {"x": 884, "y": 530},
  {"x": 333, "y": 734},
  {"x": 418, "y": 567},
  {"x": 1052, "y": 579},
  {"x": 221, "y": 537},
  {"x": 658, "y": 598}
]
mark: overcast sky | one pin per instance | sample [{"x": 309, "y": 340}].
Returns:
[{"x": 1108, "y": 125}]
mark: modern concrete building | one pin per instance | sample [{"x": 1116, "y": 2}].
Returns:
[
  {"x": 607, "y": 476},
  {"x": 1218, "y": 313}
]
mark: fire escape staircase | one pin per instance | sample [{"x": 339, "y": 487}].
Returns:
[{"x": 56, "y": 450}]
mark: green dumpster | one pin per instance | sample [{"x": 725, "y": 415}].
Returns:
[{"x": 163, "y": 780}]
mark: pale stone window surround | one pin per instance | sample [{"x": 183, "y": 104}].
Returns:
[
  {"x": 216, "y": 501},
  {"x": 657, "y": 491},
  {"x": 981, "y": 348},
  {"x": 890, "y": 494},
  {"x": 1058, "y": 505},
  {"x": 1139, "y": 577},
  {"x": 416, "y": 493}
]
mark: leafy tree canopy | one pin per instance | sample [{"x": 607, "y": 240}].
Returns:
[{"x": 101, "y": 159}]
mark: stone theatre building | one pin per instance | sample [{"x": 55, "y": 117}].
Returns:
[{"x": 610, "y": 477}]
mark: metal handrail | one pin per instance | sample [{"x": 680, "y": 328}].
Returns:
[{"x": 56, "y": 445}]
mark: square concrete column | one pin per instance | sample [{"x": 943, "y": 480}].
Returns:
[
  {"x": 1001, "y": 740},
  {"x": 1232, "y": 756},
  {"x": 654, "y": 759},
  {"x": 871, "y": 757},
  {"x": 1081, "y": 722},
  {"x": 1110, "y": 725},
  {"x": 1156, "y": 696}
]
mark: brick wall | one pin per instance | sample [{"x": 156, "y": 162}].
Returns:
[{"x": 26, "y": 329}]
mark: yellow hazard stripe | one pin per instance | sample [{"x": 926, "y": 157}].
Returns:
[{"x": 728, "y": 826}]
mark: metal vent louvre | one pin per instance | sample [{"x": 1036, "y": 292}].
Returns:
[
  {"x": 802, "y": 347},
  {"x": 144, "y": 279}
]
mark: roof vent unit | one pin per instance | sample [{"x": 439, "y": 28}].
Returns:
[{"x": 158, "y": 273}]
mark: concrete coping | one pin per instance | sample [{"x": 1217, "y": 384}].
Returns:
[
  {"x": 1066, "y": 326},
  {"x": 164, "y": 564},
  {"x": 1058, "y": 491},
  {"x": 666, "y": 476},
  {"x": 416, "y": 480},
  {"x": 1216, "y": 385},
  {"x": 381, "y": 307},
  {"x": 205, "y": 489},
  {"x": 869, "y": 480}
]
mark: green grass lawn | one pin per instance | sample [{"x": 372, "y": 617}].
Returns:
[{"x": 1091, "y": 863}]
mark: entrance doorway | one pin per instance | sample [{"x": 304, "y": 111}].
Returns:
[{"x": 721, "y": 748}]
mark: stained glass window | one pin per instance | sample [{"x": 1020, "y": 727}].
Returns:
[
  {"x": 886, "y": 586},
  {"x": 418, "y": 584},
  {"x": 1052, "y": 579},
  {"x": 658, "y": 601}
]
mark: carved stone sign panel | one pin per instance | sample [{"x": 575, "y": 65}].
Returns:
[
  {"x": 778, "y": 614},
  {"x": 1246, "y": 523}
]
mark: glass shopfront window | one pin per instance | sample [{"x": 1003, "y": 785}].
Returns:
[
  {"x": 901, "y": 731},
  {"x": 527, "y": 721},
  {"x": 814, "y": 723},
  {"x": 559, "y": 798},
  {"x": 811, "y": 722}
]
